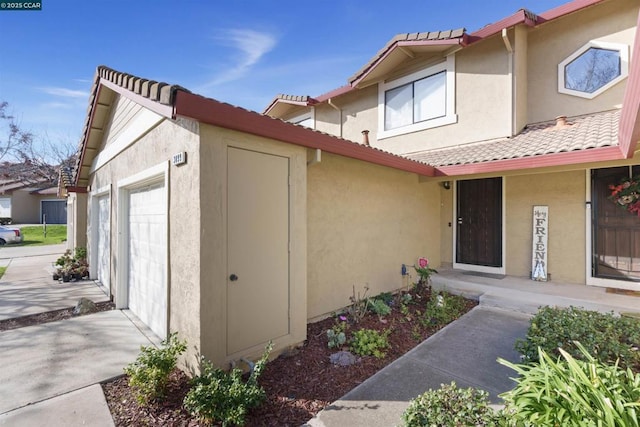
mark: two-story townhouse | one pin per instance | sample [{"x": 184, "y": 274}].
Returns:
[
  {"x": 526, "y": 112},
  {"x": 236, "y": 228}
]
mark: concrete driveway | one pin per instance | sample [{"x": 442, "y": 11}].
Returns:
[
  {"x": 27, "y": 286},
  {"x": 51, "y": 372}
]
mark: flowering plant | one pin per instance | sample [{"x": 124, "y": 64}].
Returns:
[
  {"x": 627, "y": 194},
  {"x": 424, "y": 271}
]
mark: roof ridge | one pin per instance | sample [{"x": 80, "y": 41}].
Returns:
[{"x": 161, "y": 92}]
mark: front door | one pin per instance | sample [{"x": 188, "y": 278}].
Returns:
[
  {"x": 258, "y": 249},
  {"x": 616, "y": 232},
  {"x": 479, "y": 222}
]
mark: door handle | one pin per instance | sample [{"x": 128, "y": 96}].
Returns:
[{"x": 233, "y": 277}]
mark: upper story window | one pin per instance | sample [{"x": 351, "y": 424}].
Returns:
[
  {"x": 418, "y": 101},
  {"x": 305, "y": 119},
  {"x": 593, "y": 68}
]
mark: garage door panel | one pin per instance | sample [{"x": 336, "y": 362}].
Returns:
[
  {"x": 147, "y": 257},
  {"x": 103, "y": 245}
]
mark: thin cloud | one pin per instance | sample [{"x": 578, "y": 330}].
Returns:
[
  {"x": 251, "y": 45},
  {"x": 64, "y": 92}
]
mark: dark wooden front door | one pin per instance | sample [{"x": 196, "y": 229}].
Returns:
[
  {"x": 616, "y": 232},
  {"x": 479, "y": 222}
]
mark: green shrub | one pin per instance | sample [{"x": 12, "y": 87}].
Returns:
[
  {"x": 149, "y": 374},
  {"x": 604, "y": 336},
  {"x": 379, "y": 307},
  {"x": 443, "y": 308},
  {"x": 571, "y": 392},
  {"x": 369, "y": 342},
  {"x": 450, "y": 406},
  {"x": 219, "y": 396},
  {"x": 336, "y": 337}
]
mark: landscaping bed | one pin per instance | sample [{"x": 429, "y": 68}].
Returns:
[
  {"x": 300, "y": 383},
  {"x": 50, "y": 316}
]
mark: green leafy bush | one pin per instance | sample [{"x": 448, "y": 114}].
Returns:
[
  {"x": 336, "y": 337},
  {"x": 369, "y": 342},
  {"x": 379, "y": 307},
  {"x": 571, "y": 392},
  {"x": 604, "y": 336},
  {"x": 219, "y": 396},
  {"x": 443, "y": 308},
  {"x": 149, "y": 374},
  {"x": 450, "y": 406}
]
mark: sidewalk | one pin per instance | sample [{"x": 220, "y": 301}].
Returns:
[{"x": 51, "y": 372}]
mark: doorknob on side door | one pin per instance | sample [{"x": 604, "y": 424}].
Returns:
[{"x": 233, "y": 277}]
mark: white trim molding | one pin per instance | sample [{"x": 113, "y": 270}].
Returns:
[
  {"x": 623, "y": 50},
  {"x": 155, "y": 174}
]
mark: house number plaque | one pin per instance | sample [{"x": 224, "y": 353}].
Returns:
[{"x": 540, "y": 243}]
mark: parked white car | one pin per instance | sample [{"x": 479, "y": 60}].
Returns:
[{"x": 9, "y": 235}]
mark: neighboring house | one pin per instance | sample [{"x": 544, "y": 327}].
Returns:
[
  {"x": 235, "y": 228},
  {"x": 29, "y": 200}
]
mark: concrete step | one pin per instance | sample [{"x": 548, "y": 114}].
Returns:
[{"x": 527, "y": 297}]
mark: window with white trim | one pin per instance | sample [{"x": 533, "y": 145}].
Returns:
[
  {"x": 306, "y": 119},
  {"x": 419, "y": 101},
  {"x": 593, "y": 68}
]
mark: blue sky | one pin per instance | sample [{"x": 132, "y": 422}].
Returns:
[{"x": 238, "y": 51}]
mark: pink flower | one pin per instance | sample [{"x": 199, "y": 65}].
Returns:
[{"x": 423, "y": 262}]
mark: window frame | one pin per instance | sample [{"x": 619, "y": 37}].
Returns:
[
  {"x": 448, "y": 66},
  {"x": 623, "y": 49},
  {"x": 298, "y": 119}
]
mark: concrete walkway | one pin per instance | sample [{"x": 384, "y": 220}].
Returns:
[
  {"x": 27, "y": 286},
  {"x": 51, "y": 372}
]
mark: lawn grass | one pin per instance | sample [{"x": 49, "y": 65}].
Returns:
[
  {"x": 34, "y": 235},
  {"x": 2, "y": 270}
]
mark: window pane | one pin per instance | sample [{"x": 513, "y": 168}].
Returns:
[
  {"x": 430, "y": 98},
  {"x": 398, "y": 107},
  {"x": 592, "y": 70}
]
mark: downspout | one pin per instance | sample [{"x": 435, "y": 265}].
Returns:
[
  {"x": 512, "y": 112},
  {"x": 330, "y": 102}
]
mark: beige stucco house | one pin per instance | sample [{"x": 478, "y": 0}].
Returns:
[
  {"x": 235, "y": 228},
  {"x": 30, "y": 201}
]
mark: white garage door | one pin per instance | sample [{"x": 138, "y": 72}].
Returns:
[
  {"x": 147, "y": 256},
  {"x": 5, "y": 207},
  {"x": 103, "y": 238}
]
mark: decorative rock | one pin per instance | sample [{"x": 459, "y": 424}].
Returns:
[
  {"x": 343, "y": 358},
  {"x": 84, "y": 306}
]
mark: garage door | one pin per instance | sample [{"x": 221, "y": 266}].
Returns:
[
  {"x": 54, "y": 211},
  {"x": 103, "y": 241},
  {"x": 5, "y": 207},
  {"x": 147, "y": 256}
]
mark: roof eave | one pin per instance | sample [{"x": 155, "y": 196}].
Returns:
[
  {"x": 629, "y": 130},
  {"x": 535, "y": 162},
  {"x": 361, "y": 76},
  {"x": 217, "y": 113}
]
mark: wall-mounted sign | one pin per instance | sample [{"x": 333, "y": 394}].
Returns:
[
  {"x": 179, "y": 158},
  {"x": 540, "y": 243}
]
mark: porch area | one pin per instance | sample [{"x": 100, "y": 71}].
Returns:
[{"x": 524, "y": 295}]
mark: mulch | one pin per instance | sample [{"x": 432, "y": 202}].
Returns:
[
  {"x": 50, "y": 316},
  {"x": 298, "y": 384}
]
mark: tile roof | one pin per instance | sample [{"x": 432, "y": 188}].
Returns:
[
  {"x": 581, "y": 133},
  {"x": 428, "y": 36}
]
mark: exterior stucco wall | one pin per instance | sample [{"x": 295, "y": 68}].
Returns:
[
  {"x": 551, "y": 43},
  {"x": 25, "y": 207},
  {"x": 213, "y": 235},
  {"x": 364, "y": 222},
  {"x": 76, "y": 220},
  {"x": 564, "y": 193},
  {"x": 155, "y": 147},
  {"x": 483, "y": 105}
]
